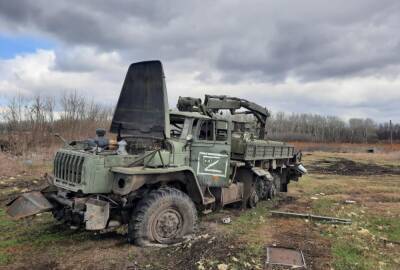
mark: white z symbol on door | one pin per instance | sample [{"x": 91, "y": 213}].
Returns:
[{"x": 208, "y": 168}]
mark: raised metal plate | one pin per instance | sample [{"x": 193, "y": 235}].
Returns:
[{"x": 285, "y": 256}]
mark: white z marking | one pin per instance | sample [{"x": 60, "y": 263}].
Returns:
[{"x": 208, "y": 168}]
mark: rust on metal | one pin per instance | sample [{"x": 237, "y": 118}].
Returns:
[
  {"x": 97, "y": 214},
  {"x": 28, "y": 204},
  {"x": 286, "y": 257}
]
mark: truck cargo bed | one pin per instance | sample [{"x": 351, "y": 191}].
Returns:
[{"x": 259, "y": 150}]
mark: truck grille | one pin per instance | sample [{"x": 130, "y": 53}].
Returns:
[{"x": 68, "y": 167}]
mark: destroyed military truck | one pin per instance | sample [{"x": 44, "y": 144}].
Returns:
[{"x": 164, "y": 166}]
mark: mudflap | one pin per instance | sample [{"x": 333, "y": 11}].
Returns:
[{"x": 28, "y": 204}]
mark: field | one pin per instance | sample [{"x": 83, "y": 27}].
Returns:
[{"x": 372, "y": 241}]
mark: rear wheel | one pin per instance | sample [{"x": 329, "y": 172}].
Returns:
[
  {"x": 261, "y": 187},
  {"x": 253, "y": 199},
  {"x": 274, "y": 186},
  {"x": 272, "y": 191},
  {"x": 165, "y": 216}
]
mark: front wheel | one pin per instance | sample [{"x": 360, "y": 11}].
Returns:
[{"x": 165, "y": 216}]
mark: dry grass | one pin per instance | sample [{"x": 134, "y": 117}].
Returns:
[
  {"x": 32, "y": 164},
  {"x": 359, "y": 246},
  {"x": 348, "y": 147}
]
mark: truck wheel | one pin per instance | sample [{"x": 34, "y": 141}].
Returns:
[
  {"x": 261, "y": 188},
  {"x": 272, "y": 191},
  {"x": 164, "y": 216},
  {"x": 253, "y": 199}
]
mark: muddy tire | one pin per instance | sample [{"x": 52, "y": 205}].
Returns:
[
  {"x": 253, "y": 199},
  {"x": 272, "y": 192},
  {"x": 165, "y": 216},
  {"x": 274, "y": 186},
  {"x": 261, "y": 187}
]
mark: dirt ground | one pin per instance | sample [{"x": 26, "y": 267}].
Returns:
[{"x": 362, "y": 187}]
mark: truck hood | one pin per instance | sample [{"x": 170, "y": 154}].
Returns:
[{"x": 142, "y": 108}]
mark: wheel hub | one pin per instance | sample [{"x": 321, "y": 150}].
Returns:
[{"x": 167, "y": 225}]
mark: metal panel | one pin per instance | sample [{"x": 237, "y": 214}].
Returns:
[
  {"x": 28, "y": 204},
  {"x": 286, "y": 257}
]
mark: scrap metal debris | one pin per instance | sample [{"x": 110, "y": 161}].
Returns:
[
  {"x": 285, "y": 257},
  {"x": 28, "y": 204},
  {"x": 349, "y": 202},
  {"x": 226, "y": 220},
  {"x": 311, "y": 217}
]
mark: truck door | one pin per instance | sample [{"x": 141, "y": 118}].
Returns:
[{"x": 210, "y": 152}]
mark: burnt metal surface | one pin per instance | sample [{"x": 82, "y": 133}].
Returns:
[
  {"x": 142, "y": 108},
  {"x": 28, "y": 204},
  {"x": 286, "y": 257}
]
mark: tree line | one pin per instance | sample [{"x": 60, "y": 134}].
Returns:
[
  {"x": 30, "y": 123},
  {"x": 318, "y": 128}
]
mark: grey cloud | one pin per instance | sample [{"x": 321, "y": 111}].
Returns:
[
  {"x": 252, "y": 40},
  {"x": 223, "y": 42}
]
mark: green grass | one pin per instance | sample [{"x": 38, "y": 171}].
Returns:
[
  {"x": 39, "y": 233},
  {"x": 385, "y": 227},
  {"x": 348, "y": 255},
  {"x": 250, "y": 219},
  {"x": 5, "y": 258}
]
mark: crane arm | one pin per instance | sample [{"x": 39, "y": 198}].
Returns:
[{"x": 214, "y": 103}]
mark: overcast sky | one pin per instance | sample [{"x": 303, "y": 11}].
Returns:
[{"x": 328, "y": 57}]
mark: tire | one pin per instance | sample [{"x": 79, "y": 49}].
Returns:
[
  {"x": 275, "y": 186},
  {"x": 261, "y": 187},
  {"x": 165, "y": 216},
  {"x": 272, "y": 192},
  {"x": 253, "y": 199}
]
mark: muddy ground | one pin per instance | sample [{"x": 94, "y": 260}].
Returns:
[
  {"x": 344, "y": 166},
  {"x": 372, "y": 184}
]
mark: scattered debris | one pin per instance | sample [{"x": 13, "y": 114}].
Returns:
[
  {"x": 222, "y": 266},
  {"x": 226, "y": 220},
  {"x": 310, "y": 217},
  {"x": 349, "y": 202},
  {"x": 314, "y": 198},
  {"x": 363, "y": 231},
  {"x": 28, "y": 162},
  {"x": 389, "y": 242},
  {"x": 285, "y": 257}
]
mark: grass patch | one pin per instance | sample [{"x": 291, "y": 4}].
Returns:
[
  {"x": 349, "y": 256},
  {"x": 324, "y": 206},
  {"x": 4, "y": 258},
  {"x": 385, "y": 226},
  {"x": 39, "y": 233}
]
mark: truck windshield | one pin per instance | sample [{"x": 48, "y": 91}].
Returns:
[{"x": 179, "y": 127}]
